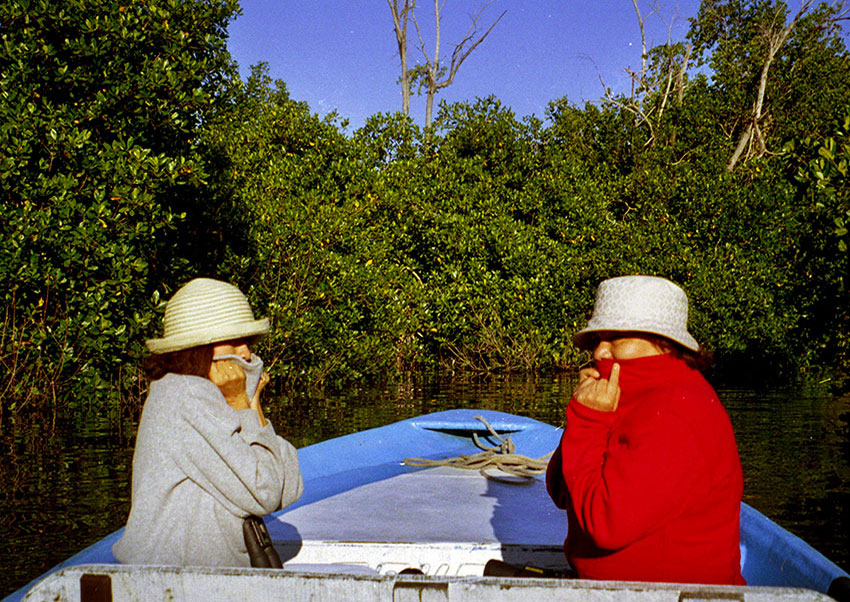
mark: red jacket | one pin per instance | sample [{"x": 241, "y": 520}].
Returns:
[{"x": 652, "y": 490}]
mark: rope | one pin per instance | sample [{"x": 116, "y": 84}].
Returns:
[{"x": 501, "y": 458}]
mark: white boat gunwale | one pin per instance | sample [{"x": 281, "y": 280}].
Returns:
[{"x": 117, "y": 583}]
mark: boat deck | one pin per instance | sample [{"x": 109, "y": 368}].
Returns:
[{"x": 467, "y": 521}]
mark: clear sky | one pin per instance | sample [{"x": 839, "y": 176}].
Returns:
[{"x": 342, "y": 54}]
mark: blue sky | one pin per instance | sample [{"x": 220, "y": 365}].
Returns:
[{"x": 342, "y": 55}]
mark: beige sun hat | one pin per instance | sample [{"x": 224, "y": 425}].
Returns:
[
  {"x": 642, "y": 304},
  {"x": 205, "y": 311}
]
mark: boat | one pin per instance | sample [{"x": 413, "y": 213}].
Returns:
[{"x": 375, "y": 524}]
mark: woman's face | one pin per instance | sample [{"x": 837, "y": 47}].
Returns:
[
  {"x": 626, "y": 346},
  {"x": 237, "y": 347}
]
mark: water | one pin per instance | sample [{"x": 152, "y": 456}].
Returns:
[{"x": 66, "y": 485}]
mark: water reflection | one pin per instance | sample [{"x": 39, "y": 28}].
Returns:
[
  {"x": 794, "y": 447},
  {"x": 66, "y": 485},
  {"x": 306, "y": 419}
]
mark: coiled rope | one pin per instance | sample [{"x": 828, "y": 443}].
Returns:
[{"x": 501, "y": 458}]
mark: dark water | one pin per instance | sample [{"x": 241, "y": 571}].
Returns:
[{"x": 66, "y": 485}]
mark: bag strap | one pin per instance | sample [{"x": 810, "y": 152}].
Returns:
[{"x": 258, "y": 542}]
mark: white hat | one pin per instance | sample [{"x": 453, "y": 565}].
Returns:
[
  {"x": 206, "y": 311},
  {"x": 642, "y": 304}
]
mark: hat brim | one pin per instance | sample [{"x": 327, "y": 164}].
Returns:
[
  {"x": 583, "y": 338},
  {"x": 197, "y": 338}
]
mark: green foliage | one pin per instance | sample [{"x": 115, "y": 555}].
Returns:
[
  {"x": 479, "y": 218},
  {"x": 810, "y": 92},
  {"x": 132, "y": 158},
  {"x": 819, "y": 168},
  {"x": 321, "y": 269},
  {"x": 99, "y": 175},
  {"x": 806, "y": 89}
]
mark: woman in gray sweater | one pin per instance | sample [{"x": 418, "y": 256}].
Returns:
[{"x": 205, "y": 455}]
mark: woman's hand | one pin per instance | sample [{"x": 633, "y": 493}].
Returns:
[
  {"x": 230, "y": 380},
  {"x": 255, "y": 400},
  {"x": 596, "y": 392}
]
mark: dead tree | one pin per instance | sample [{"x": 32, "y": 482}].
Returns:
[
  {"x": 775, "y": 34},
  {"x": 656, "y": 81},
  {"x": 434, "y": 76},
  {"x": 401, "y": 12}
]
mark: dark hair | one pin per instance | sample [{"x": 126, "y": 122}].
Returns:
[
  {"x": 698, "y": 360},
  {"x": 195, "y": 361}
]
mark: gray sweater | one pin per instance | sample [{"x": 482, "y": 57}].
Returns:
[{"x": 199, "y": 468}]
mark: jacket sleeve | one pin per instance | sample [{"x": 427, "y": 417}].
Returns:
[
  {"x": 555, "y": 484},
  {"x": 246, "y": 467},
  {"x": 626, "y": 488}
]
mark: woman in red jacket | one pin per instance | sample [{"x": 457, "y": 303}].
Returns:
[{"x": 647, "y": 469}]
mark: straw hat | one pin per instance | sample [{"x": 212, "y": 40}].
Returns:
[
  {"x": 206, "y": 311},
  {"x": 643, "y": 304}
]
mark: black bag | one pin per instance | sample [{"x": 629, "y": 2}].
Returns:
[
  {"x": 258, "y": 542},
  {"x": 497, "y": 568}
]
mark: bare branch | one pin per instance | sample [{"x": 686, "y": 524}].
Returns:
[
  {"x": 670, "y": 69},
  {"x": 643, "y": 55},
  {"x": 633, "y": 108},
  {"x": 458, "y": 57},
  {"x": 653, "y": 84},
  {"x": 433, "y": 70}
]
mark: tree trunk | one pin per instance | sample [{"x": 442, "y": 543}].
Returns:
[
  {"x": 775, "y": 41},
  {"x": 429, "y": 105},
  {"x": 400, "y": 25}
]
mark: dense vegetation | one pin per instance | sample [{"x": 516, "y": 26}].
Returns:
[{"x": 133, "y": 158}]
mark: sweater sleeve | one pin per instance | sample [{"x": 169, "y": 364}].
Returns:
[
  {"x": 622, "y": 489},
  {"x": 555, "y": 484},
  {"x": 245, "y": 466}
]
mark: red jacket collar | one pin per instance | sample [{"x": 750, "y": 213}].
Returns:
[{"x": 644, "y": 372}]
